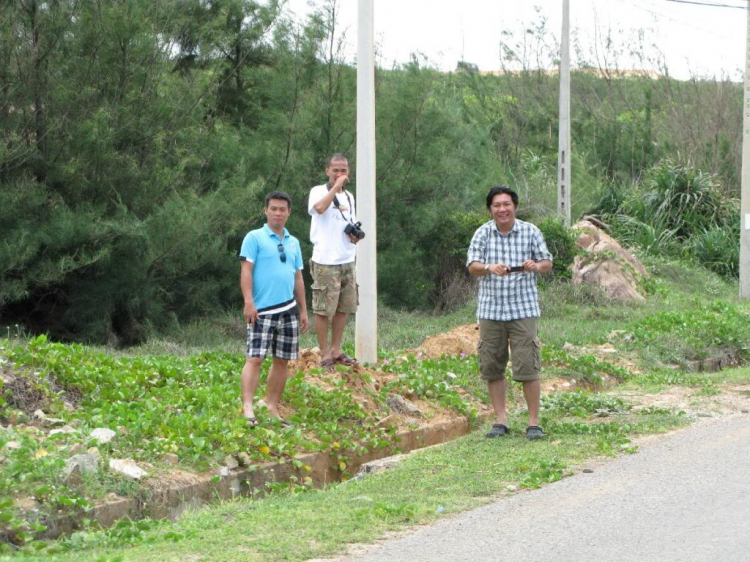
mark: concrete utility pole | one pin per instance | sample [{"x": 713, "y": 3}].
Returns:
[
  {"x": 563, "y": 143},
  {"x": 366, "y": 335},
  {"x": 745, "y": 204}
]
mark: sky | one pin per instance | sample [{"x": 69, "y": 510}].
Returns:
[{"x": 693, "y": 40}]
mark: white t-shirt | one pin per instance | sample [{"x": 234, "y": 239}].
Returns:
[{"x": 330, "y": 245}]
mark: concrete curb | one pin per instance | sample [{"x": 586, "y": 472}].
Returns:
[{"x": 171, "y": 502}]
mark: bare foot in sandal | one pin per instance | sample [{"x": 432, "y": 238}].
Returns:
[{"x": 344, "y": 359}]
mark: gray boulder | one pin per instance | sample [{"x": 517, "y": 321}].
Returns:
[
  {"x": 401, "y": 405},
  {"x": 78, "y": 465}
]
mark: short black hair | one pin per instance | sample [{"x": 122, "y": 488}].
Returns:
[
  {"x": 335, "y": 157},
  {"x": 278, "y": 195},
  {"x": 502, "y": 189}
]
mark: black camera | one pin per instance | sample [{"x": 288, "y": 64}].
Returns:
[{"x": 354, "y": 229}]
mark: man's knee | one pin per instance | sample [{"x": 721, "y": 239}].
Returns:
[{"x": 254, "y": 361}]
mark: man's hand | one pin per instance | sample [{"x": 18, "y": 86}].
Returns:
[
  {"x": 250, "y": 312},
  {"x": 541, "y": 266},
  {"x": 353, "y": 239},
  {"x": 338, "y": 186},
  {"x": 499, "y": 269},
  {"x": 303, "y": 322}
]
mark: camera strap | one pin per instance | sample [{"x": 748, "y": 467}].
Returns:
[{"x": 336, "y": 204}]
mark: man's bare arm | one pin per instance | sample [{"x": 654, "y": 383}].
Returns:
[
  {"x": 246, "y": 285},
  {"x": 325, "y": 202},
  {"x": 299, "y": 295}
]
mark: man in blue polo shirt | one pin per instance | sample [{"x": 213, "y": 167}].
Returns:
[
  {"x": 275, "y": 307},
  {"x": 507, "y": 254}
]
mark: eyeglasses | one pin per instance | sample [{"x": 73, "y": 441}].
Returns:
[{"x": 282, "y": 255}]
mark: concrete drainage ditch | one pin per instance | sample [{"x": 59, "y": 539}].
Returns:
[{"x": 172, "y": 501}]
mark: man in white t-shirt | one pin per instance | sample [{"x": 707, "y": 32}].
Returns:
[{"x": 334, "y": 289}]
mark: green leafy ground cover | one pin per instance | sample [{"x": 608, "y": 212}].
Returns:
[
  {"x": 187, "y": 405},
  {"x": 298, "y": 525}
]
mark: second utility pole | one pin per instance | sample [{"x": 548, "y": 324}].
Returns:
[{"x": 563, "y": 143}]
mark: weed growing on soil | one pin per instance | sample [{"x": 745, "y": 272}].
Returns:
[
  {"x": 694, "y": 332},
  {"x": 583, "y": 404},
  {"x": 435, "y": 379},
  {"x": 585, "y": 368},
  {"x": 547, "y": 472},
  {"x": 660, "y": 377},
  {"x": 157, "y": 405}
]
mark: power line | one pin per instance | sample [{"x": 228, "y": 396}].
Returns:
[
  {"x": 650, "y": 8},
  {"x": 708, "y": 4}
]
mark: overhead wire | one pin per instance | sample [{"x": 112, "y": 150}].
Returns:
[
  {"x": 652, "y": 9},
  {"x": 711, "y": 4}
]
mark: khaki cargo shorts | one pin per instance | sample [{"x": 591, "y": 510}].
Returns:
[
  {"x": 497, "y": 338},
  {"x": 334, "y": 289}
]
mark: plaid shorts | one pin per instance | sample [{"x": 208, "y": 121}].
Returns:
[{"x": 279, "y": 332}]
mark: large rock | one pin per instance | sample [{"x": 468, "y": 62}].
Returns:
[
  {"x": 402, "y": 406},
  {"x": 377, "y": 466},
  {"x": 102, "y": 435},
  {"x": 607, "y": 264},
  {"x": 127, "y": 468},
  {"x": 66, "y": 429},
  {"x": 78, "y": 465}
]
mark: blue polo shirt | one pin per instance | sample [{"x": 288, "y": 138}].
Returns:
[{"x": 273, "y": 280}]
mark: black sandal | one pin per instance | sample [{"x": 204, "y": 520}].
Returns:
[
  {"x": 534, "y": 432},
  {"x": 498, "y": 430}
]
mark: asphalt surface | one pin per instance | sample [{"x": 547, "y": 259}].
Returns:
[{"x": 683, "y": 498}]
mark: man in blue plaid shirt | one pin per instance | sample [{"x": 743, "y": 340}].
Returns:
[{"x": 506, "y": 254}]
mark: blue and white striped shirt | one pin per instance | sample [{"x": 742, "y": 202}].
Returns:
[{"x": 513, "y": 296}]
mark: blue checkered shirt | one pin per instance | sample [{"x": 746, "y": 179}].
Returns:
[{"x": 513, "y": 296}]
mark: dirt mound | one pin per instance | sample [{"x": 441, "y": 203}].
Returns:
[
  {"x": 26, "y": 390},
  {"x": 362, "y": 381},
  {"x": 606, "y": 264},
  {"x": 459, "y": 341},
  {"x": 357, "y": 377}
]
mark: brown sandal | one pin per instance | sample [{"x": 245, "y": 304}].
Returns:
[
  {"x": 344, "y": 359},
  {"x": 328, "y": 364}
]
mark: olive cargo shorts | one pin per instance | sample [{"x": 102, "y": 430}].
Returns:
[
  {"x": 496, "y": 338},
  {"x": 334, "y": 289}
]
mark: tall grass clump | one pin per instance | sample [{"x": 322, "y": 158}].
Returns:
[{"x": 679, "y": 211}]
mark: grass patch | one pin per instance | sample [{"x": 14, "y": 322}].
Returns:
[
  {"x": 739, "y": 375},
  {"x": 428, "y": 485}
]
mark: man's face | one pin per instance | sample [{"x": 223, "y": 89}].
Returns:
[
  {"x": 336, "y": 169},
  {"x": 503, "y": 210},
  {"x": 277, "y": 212}
]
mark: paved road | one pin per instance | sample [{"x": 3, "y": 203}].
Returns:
[{"x": 684, "y": 498}]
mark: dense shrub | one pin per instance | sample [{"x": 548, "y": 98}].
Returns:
[
  {"x": 718, "y": 250},
  {"x": 561, "y": 242},
  {"x": 679, "y": 211}
]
